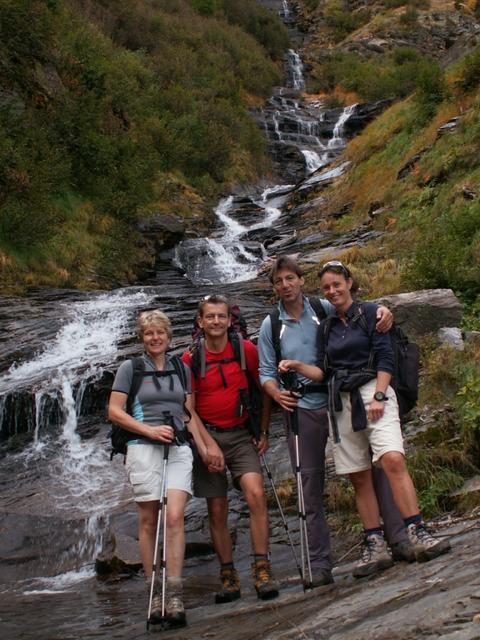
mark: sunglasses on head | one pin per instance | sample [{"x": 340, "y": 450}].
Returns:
[{"x": 334, "y": 264}]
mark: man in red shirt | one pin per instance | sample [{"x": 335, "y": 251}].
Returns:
[{"x": 219, "y": 391}]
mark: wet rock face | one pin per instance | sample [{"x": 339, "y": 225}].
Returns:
[{"x": 422, "y": 312}]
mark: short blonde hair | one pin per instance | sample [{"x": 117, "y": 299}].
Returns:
[{"x": 154, "y": 317}]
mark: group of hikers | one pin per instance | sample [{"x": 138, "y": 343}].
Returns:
[{"x": 326, "y": 362}]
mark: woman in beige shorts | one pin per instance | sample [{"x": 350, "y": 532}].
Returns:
[
  {"x": 364, "y": 416},
  {"x": 162, "y": 393}
]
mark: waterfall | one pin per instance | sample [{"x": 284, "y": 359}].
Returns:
[
  {"x": 337, "y": 138},
  {"x": 294, "y": 70}
]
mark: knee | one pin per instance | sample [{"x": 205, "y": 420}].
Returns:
[
  {"x": 175, "y": 519},
  {"x": 361, "y": 480},
  {"x": 217, "y": 512},
  {"x": 255, "y": 498},
  {"x": 393, "y": 463}
]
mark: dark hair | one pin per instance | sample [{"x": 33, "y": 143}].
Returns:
[
  {"x": 284, "y": 262},
  {"x": 213, "y": 299},
  {"x": 338, "y": 267}
]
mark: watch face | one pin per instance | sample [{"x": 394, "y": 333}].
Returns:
[{"x": 379, "y": 395}]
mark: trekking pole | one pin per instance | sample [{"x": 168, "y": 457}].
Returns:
[
  {"x": 161, "y": 520},
  {"x": 304, "y": 550},
  {"x": 282, "y": 515}
]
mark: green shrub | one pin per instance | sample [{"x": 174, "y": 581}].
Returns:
[
  {"x": 341, "y": 21},
  {"x": 470, "y": 72}
]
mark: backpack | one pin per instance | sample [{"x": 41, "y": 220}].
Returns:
[
  {"x": 119, "y": 437},
  {"x": 276, "y": 324},
  {"x": 405, "y": 377},
  {"x": 250, "y": 398}
]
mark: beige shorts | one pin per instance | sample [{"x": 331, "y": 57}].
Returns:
[
  {"x": 144, "y": 465},
  {"x": 357, "y": 450}
]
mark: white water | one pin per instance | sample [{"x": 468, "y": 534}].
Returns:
[
  {"x": 337, "y": 139},
  {"x": 295, "y": 69},
  {"x": 88, "y": 338}
]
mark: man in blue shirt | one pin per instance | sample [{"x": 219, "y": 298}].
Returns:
[{"x": 298, "y": 340}]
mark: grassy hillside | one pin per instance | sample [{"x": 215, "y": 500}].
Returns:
[
  {"x": 113, "y": 110},
  {"x": 415, "y": 178}
]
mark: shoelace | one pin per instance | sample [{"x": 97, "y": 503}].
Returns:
[{"x": 263, "y": 574}]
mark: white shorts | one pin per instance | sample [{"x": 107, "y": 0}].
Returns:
[
  {"x": 357, "y": 450},
  {"x": 144, "y": 465}
]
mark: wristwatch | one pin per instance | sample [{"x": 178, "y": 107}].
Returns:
[{"x": 380, "y": 396}]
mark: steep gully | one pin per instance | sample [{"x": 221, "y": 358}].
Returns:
[{"x": 57, "y": 487}]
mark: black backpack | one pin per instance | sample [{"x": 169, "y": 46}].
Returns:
[
  {"x": 119, "y": 436},
  {"x": 405, "y": 376},
  {"x": 250, "y": 398}
]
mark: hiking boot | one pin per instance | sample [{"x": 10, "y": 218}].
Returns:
[
  {"x": 175, "y": 611},
  {"x": 374, "y": 558},
  {"x": 426, "y": 547},
  {"x": 403, "y": 551},
  {"x": 156, "y": 608},
  {"x": 321, "y": 577},
  {"x": 265, "y": 585},
  {"x": 230, "y": 586}
]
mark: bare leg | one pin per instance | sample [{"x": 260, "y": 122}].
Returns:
[
  {"x": 252, "y": 487},
  {"x": 218, "y": 521},
  {"x": 365, "y": 498},
  {"x": 176, "y": 502},
  {"x": 404, "y": 494},
  {"x": 147, "y": 531}
]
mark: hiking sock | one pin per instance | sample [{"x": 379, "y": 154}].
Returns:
[
  {"x": 415, "y": 519},
  {"x": 226, "y": 565},
  {"x": 374, "y": 530},
  {"x": 260, "y": 556}
]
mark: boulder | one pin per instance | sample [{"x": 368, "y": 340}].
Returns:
[
  {"x": 425, "y": 311},
  {"x": 451, "y": 336}
]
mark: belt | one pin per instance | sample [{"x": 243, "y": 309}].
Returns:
[{"x": 212, "y": 427}]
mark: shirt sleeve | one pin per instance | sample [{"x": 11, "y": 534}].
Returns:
[
  {"x": 266, "y": 353},
  {"x": 381, "y": 343},
  {"x": 123, "y": 378},
  {"x": 328, "y": 307}
]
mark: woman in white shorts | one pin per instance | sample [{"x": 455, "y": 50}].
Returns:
[
  {"x": 160, "y": 394},
  {"x": 364, "y": 416}
]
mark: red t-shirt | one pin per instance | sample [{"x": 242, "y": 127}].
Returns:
[{"x": 215, "y": 403}]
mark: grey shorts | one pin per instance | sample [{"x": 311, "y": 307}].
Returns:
[
  {"x": 144, "y": 466},
  {"x": 240, "y": 457}
]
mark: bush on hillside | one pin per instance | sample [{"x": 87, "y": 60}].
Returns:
[
  {"x": 469, "y": 72},
  {"x": 99, "y": 100}
]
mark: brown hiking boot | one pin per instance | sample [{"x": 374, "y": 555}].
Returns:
[
  {"x": 266, "y": 586},
  {"x": 230, "y": 586},
  {"x": 175, "y": 611}
]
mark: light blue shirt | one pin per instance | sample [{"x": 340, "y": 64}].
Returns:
[{"x": 298, "y": 341}]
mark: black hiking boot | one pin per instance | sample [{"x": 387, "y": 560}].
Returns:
[{"x": 403, "y": 551}]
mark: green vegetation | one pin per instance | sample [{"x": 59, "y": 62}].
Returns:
[
  {"x": 102, "y": 101},
  {"x": 396, "y": 75}
]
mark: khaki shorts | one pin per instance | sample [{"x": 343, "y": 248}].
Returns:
[
  {"x": 357, "y": 450},
  {"x": 144, "y": 465},
  {"x": 240, "y": 457}
]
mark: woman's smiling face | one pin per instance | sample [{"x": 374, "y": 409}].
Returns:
[{"x": 336, "y": 289}]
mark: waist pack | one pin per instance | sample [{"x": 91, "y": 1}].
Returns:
[{"x": 119, "y": 437}]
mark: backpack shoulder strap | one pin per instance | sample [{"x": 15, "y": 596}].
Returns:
[
  {"x": 318, "y": 307},
  {"x": 276, "y": 325},
  {"x": 138, "y": 369},
  {"x": 179, "y": 370},
  {"x": 238, "y": 346}
]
